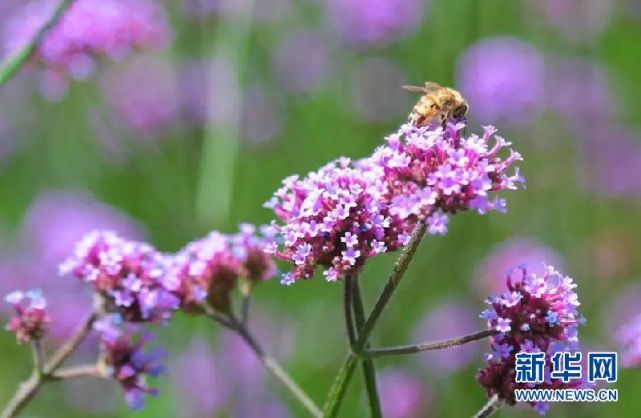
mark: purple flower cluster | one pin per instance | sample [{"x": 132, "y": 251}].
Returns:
[
  {"x": 336, "y": 218},
  {"x": 537, "y": 314},
  {"x": 434, "y": 172},
  {"x": 208, "y": 269},
  {"x": 88, "y": 30},
  {"x": 346, "y": 212},
  {"x": 31, "y": 321},
  {"x": 124, "y": 358},
  {"x": 131, "y": 276},
  {"x": 629, "y": 339}
]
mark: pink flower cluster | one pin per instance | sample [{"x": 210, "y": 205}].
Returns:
[
  {"x": 144, "y": 285},
  {"x": 125, "y": 359},
  {"x": 131, "y": 276},
  {"x": 88, "y": 30},
  {"x": 31, "y": 320},
  {"x": 208, "y": 269},
  {"x": 336, "y": 218},
  {"x": 346, "y": 212},
  {"x": 536, "y": 314},
  {"x": 629, "y": 339}
]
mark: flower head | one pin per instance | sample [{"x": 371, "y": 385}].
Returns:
[
  {"x": 434, "y": 172},
  {"x": 208, "y": 269},
  {"x": 31, "y": 321},
  {"x": 131, "y": 276},
  {"x": 124, "y": 358},
  {"x": 336, "y": 218},
  {"x": 538, "y": 313},
  {"x": 629, "y": 339}
]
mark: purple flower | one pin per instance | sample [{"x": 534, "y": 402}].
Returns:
[
  {"x": 302, "y": 62},
  {"x": 89, "y": 30},
  {"x": 364, "y": 23},
  {"x": 434, "y": 182},
  {"x": 628, "y": 338},
  {"x": 344, "y": 199},
  {"x": 544, "y": 318},
  {"x": 31, "y": 320},
  {"x": 402, "y": 395},
  {"x": 124, "y": 357},
  {"x": 261, "y": 115},
  {"x": 451, "y": 318},
  {"x": 374, "y": 90},
  {"x": 145, "y": 101},
  {"x": 119, "y": 270},
  {"x": 437, "y": 223},
  {"x": 576, "y": 20},
  {"x": 191, "y": 371},
  {"x": 503, "y": 80},
  {"x": 206, "y": 270},
  {"x": 490, "y": 274}
]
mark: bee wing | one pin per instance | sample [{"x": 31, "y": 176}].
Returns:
[
  {"x": 415, "y": 89},
  {"x": 431, "y": 86}
]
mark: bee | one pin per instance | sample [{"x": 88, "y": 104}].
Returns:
[{"x": 438, "y": 103}]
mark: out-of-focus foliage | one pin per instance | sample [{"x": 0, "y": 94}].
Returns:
[{"x": 172, "y": 143}]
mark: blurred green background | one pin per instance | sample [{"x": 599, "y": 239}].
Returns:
[{"x": 176, "y": 176}]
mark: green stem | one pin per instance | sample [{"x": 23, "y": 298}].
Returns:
[
  {"x": 275, "y": 368},
  {"x": 369, "y": 371},
  {"x": 417, "y": 348},
  {"x": 400, "y": 268},
  {"x": 493, "y": 405},
  {"x": 339, "y": 387},
  {"x": 13, "y": 63}
]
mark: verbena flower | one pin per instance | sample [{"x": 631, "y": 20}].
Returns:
[
  {"x": 31, "y": 320},
  {"x": 207, "y": 270},
  {"x": 538, "y": 313},
  {"x": 629, "y": 339},
  {"x": 124, "y": 358},
  {"x": 90, "y": 29},
  {"x": 503, "y": 79},
  {"x": 131, "y": 276},
  {"x": 335, "y": 218},
  {"x": 434, "y": 172}
]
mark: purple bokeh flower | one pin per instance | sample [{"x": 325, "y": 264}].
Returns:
[
  {"x": 193, "y": 370},
  {"x": 201, "y": 81},
  {"x": 31, "y": 320},
  {"x": 124, "y": 357},
  {"x": 503, "y": 79},
  {"x": 618, "y": 311},
  {"x": 628, "y": 338},
  {"x": 302, "y": 61},
  {"x": 364, "y": 23},
  {"x": 90, "y": 29},
  {"x": 538, "y": 313},
  {"x": 449, "y": 319},
  {"x": 490, "y": 274},
  {"x": 375, "y": 91},
  {"x": 131, "y": 276},
  {"x": 262, "y": 115},
  {"x": 142, "y": 94},
  {"x": 403, "y": 395},
  {"x": 576, "y": 20}
]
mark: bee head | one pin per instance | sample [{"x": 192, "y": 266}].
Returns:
[{"x": 460, "y": 111}]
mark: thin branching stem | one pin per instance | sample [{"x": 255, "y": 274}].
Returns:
[
  {"x": 13, "y": 63},
  {"x": 369, "y": 371},
  {"x": 339, "y": 387},
  {"x": 38, "y": 355},
  {"x": 492, "y": 405},
  {"x": 428, "y": 346},
  {"x": 398, "y": 272},
  {"x": 347, "y": 307},
  {"x": 30, "y": 387},
  {"x": 85, "y": 370},
  {"x": 275, "y": 368}
]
